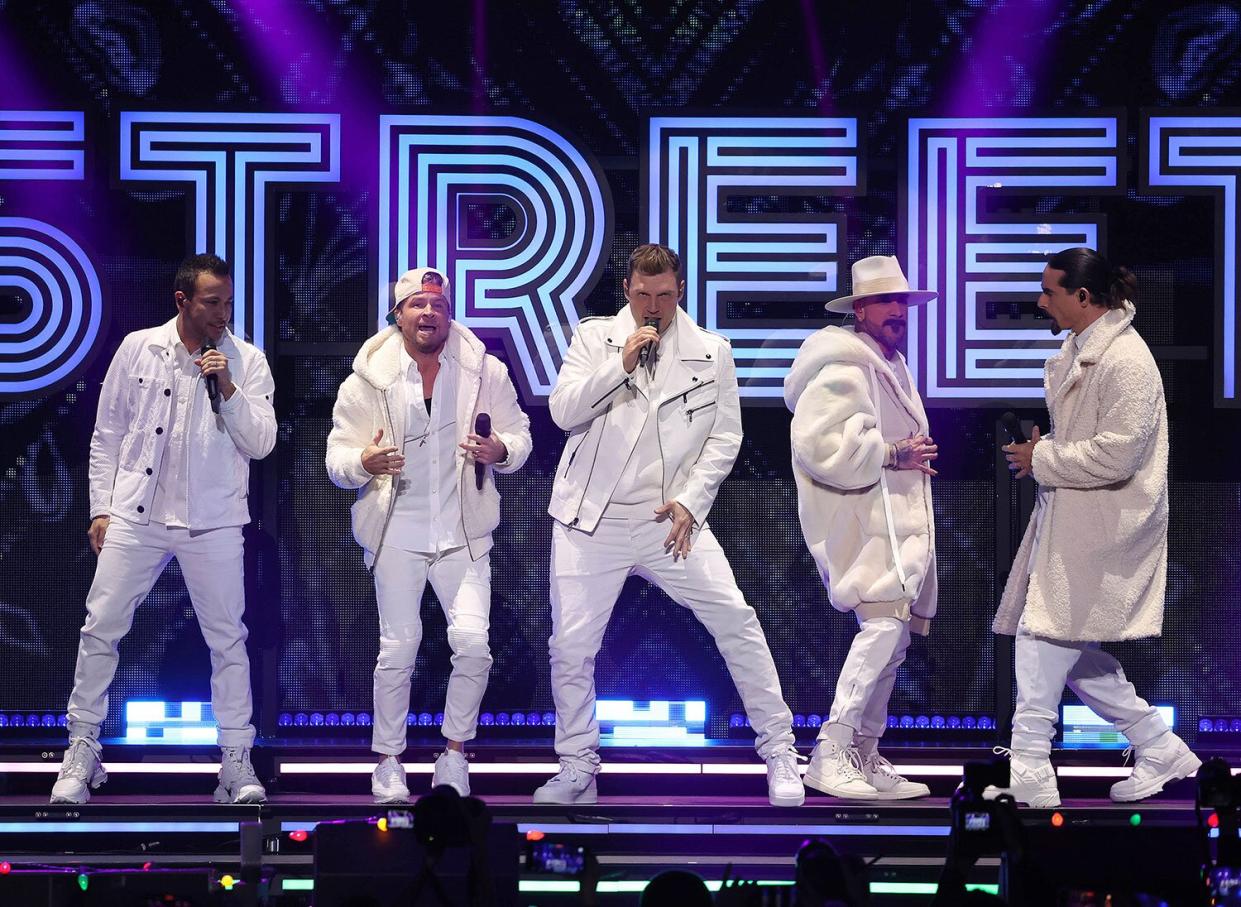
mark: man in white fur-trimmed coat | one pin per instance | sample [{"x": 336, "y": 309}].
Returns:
[
  {"x": 861, "y": 458},
  {"x": 1093, "y": 563}
]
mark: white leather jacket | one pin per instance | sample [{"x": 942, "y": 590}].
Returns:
[
  {"x": 133, "y": 426},
  {"x": 603, "y": 412}
]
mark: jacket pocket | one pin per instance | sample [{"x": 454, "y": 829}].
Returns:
[
  {"x": 573, "y": 455},
  {"x": 689, "y": 413}
]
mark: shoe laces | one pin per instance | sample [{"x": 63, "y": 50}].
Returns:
[
  {"x": 389, "y": 770},
  {"x": 1127, "y": 755},
  {"x": 1002, "y": 751},
  {"x": 569, "y": 772},
  {"x": 879, "y": 764},
  {"x": 784, "y": 764},
  {"x": 240, "y": 759},
  {"x": 849, "y": 763},
  {"x": 80, "y": 759}
]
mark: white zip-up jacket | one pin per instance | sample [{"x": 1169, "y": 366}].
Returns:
[
  {"x": 133, "y": 427},
  {"x": 604, "y": 412},
  {"x": 373, "y": 397},
  {"x": 838, "y": 390}
]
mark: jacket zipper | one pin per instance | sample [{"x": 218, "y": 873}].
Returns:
[
  {"x": 684, "y": 395},
  {"x": 690, "y": 412},
  {"x": 573, "y": 456},
  {"x": 610, "y": 393},
  {"x": 392, "y": 503}
]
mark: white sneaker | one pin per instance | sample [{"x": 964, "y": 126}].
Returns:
[
  {"x": 883, "y": 777},
  {"x": 388, "y": 781},
  {"x": 1032, "y": 780},
  {"x": 451, "y": 768},
  {"x": 1159, "y": 763},
  {"x": 837, "y": 770},
  {"x": 570, "y": 785},
  {"x": 784, "y": 785},
  {"x": 80, "y": 771},
  {"x": 237, "y": 781}
]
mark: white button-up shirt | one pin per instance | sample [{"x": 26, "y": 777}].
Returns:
[
  {"x": 170, "y": 505},
  {"x": 640, "y": 488},
  {"x": 427, "y": 514}
]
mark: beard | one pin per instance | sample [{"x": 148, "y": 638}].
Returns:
[{"x": 1055, "y": 327}]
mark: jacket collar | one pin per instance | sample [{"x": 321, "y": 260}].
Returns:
[
  {"x": 379, "y": 360},
  {"x": 165, "y": 337},
  {"x": 691, "y": 343},
  {"x": 1103, "y": 332}
]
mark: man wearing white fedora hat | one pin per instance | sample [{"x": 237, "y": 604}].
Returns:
[{"x": 861, "y": 458}]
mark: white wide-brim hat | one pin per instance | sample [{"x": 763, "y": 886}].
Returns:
[{"x": 879, "y": 275}]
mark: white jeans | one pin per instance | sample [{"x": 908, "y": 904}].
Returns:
[
  {"x": 463, "y": 587},
  {"x": 868, "y": 676},
  {"x": 1044, "y": 666},
  {"x": 132, "y": 559},
  {"x": 588, "y": 570}
]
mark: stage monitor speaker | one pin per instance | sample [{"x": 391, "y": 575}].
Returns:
[{"x": 357, "y": 865}]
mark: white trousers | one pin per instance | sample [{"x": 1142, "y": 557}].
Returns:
[
  {"x": 867, "y": 678},
  {"x": 588, "y": 570},
  {"x": 1044, "y": 666},
  {"x": 463, "y": 587},
  {"x": 131, "y": 561}
]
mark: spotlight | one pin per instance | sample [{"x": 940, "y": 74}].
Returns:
[
  {"x": 299, "y": 835},
  {"x": 1057, "y": 819}
]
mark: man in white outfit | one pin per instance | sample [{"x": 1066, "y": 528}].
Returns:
[
  {"x": 427, "y": 505},
  {"x": 1093, "y": 564},
  {"x": 169, "y": 477},
  {"x": 651, "y": 437},
  {"x": 861, "y": 459}
]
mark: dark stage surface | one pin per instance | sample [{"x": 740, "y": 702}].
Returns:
[{"x": 704, "y": 809}]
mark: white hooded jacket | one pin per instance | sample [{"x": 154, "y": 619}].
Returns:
[
  {"x": 1100, "y": 567},
  {"x": 373, "y": 397},
  {"x": 133, "y": 426},
  {"x": 838, "y": 390}
]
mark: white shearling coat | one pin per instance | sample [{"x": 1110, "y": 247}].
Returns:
[
  {"x": 1101, "y": 564},
  {"x": 133, "y": 426},
  {"x": 373, "y": 397},
  {"x": 604, "y": 411},
  {"x": 838, "y": 463}
]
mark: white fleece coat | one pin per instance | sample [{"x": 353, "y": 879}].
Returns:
[
  {"x": 1101, "y": 564},
  {"x": 838, "y": 457},
  {"x": 134, "y": 423},
  {"x": 373, "y": 397}
]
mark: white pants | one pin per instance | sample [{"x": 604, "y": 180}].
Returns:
[
  {"x": 1044, "y": 666},
  {"x": 868, "y": 676},
  {"x": 588, "y": 570},
  {"x": 131, "y": 561},
  {"x": 463, "y": 587}
]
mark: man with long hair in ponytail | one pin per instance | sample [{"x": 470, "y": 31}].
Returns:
[{"x": 1093, "y": 563}]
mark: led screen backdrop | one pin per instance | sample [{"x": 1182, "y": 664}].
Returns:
[{"x": 323, "y": 147}]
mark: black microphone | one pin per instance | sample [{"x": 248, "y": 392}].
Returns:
[
  {"x": 482, "y": 428},
  {"x": 212, "y": 381},
  {"x": 1013, "y": 426},
  {"x": 644, "y": 354}
]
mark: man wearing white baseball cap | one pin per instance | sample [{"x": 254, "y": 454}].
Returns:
[
  {"x": 861, "y": 457},
  {"x": 406, "y": 433}
]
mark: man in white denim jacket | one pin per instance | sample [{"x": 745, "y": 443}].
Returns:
[
  {"x": 861, "y": 452},
  {"x": 404, "y": 434},
  {"x": 169, "y": 477},
  {"x": 651, "y": 437}
]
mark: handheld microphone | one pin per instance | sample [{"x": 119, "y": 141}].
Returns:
[
  {"x": 482, "y": 428},
  {"x": 1013, "y": 426},
  {"x": 211, "y": 381},
  {"x": 644, "y": 354}
]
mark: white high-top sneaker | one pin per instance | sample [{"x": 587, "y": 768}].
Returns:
[
  {"x": 1160, "y": 762},
  {"x": 388, "y": 782},
  {"x": 883, "y": 776},
  {"x": 784, "y": 785},
  {"x": 237, "y": 781},
  {"x": 1032, "y": 780},
  {"x": 451, "y": 768},
  {"x": 570, "y": 785},
  {"x": 836, "y": 769},
  {"x": 80, "y": 771}
]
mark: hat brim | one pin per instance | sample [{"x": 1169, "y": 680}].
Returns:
[{"x": 843, "y": 305}]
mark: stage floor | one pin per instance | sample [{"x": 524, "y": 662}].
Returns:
[{"x": 701, "y": 809}]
